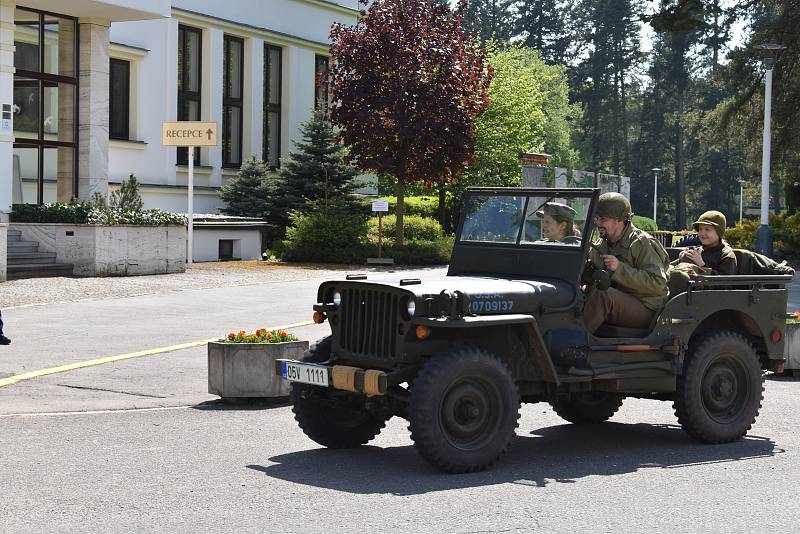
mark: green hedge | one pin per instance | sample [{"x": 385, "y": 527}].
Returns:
[
  {"x": 423, "y": 252},
  {"x": 644, "y": 223},
  {"x": 82, "y": 213},
  {"x": 415, "y": 228},
  {"x": 331, "y": 236},
  {"x": 336, "y": 236},
  {"x": 425, "y": 206}
]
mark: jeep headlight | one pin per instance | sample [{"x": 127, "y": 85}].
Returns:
[
  {"x": 337, "y": 298},
  {"x": 411, "y": 307}
]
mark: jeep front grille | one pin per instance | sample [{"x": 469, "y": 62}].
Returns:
[{"x": 369, "y": 322}]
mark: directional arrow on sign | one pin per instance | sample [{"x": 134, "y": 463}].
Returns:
[{"x": 209, "y": 132}]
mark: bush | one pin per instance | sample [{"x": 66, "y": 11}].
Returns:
[
  {"x": 424, "y": 206},
  {"x": 50, "y": 213},
  {"x": 786, "y": 234},
  {"x": 84, "y": 213},
  {"x": 645, "y": 223},
  {"x": 326, "y": 235},
  {"x": 415, "y": 228}
]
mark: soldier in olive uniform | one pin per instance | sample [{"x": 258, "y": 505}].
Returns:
[
  {"x": 557, "y": 223},
  {"x": 716, "y": 256},
  {"x": 638, "y": 265}
]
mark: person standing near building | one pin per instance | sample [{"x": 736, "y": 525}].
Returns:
[{"x": 3, "y": 339}]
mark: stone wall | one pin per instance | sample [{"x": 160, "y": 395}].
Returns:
[{"x": 111, "y": 250}]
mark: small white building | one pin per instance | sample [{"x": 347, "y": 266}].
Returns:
[{"x": 86, "y": 84}]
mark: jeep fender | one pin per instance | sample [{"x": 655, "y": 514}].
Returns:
[{"x": 525, "y": 325}]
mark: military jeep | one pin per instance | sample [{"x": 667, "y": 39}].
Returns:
[{"x": 456, "y": 355}]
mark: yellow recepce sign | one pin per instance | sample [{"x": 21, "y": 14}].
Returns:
[{"x": 186, "y": 133}]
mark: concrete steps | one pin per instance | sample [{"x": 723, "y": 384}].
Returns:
[{"x": 25, "y": 261}]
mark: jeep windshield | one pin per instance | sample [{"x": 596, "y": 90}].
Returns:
[
  {"x": 553, "y": 219},
  {"x": 524, "y": 232}
]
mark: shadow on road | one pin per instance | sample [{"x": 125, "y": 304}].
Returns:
[
  {"x": 242, "y": 404},
  {"x": 563, "y": 454}
]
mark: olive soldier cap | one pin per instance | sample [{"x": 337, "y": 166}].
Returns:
[
  {"x": 712, "y": 218},
  {"x": 614, "y": 206},
  {"x": 559, "y": 212}
]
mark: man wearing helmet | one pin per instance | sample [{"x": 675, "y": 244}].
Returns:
[{"x": 638, "y": 265}]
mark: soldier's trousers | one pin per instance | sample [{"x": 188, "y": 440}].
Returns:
[{"x": 615, "y": 307}]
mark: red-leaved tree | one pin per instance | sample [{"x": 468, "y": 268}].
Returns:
[{"x": 407, "y": 85}]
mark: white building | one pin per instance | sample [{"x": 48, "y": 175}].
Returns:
[{"x": 85, "y": 85}]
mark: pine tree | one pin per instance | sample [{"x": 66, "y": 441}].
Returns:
[
  {"x": 543, "y": 23},
  {"x": 317, "y": 170},
  {"x": 490, "y": 19},
  {"x": 251, "y": 193}
]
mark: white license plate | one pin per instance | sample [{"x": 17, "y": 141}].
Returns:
[{"x": 305, "y": 373}]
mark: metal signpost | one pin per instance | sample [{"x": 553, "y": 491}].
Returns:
[
  {"x": 380, "y": 207},
  {"x": 190, "y": 135}
]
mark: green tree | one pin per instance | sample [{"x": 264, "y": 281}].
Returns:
[
  {"x": 408, "y": 83},
  {"x": 514, "y": 121},
  {"x": 251, "y": 193},
  {"x": 544, "y": 27},
  {"x": 317, "y": 170},
  {"x": 490, "y": 20},
  {"x": 609, "y": 32},
  {"x": 127, "y": 197}
]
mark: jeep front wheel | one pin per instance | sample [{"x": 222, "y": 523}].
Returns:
[
  {"x": 587, "y": 408},
  {"x": 719, "y": 395},
  {"x": 463, "y": 410},
  {"x": 336, "y": 420}
]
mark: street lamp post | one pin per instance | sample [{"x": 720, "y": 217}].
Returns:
[
  {"x": 655, "y": 170},
  {"x": 741, "y": 199},
  {"x": 763, "y": 244}
]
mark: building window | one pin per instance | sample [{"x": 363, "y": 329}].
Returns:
[
  {"x": 272, "y": 106},
  {"x": 119, "y": 85},
  {"x": 45, "y": 108},
  {"x": 232, "y": 99},
  {"x": 189, "y": 61},
  {"x": 321, "y": 85}
]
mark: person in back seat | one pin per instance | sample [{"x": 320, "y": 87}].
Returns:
[
  {"x": 715, "y": 256},
  {"x": 638, "y": 264}
]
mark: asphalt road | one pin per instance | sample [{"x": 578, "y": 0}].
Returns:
[{"x": 139, "y": 445}]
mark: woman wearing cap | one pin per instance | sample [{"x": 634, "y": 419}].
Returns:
[
  {"x": 716, "y": 256},
  {"x": 557, "y": 223}
]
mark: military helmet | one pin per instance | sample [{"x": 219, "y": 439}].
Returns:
[
  {"x": 712, "y": 218},
  {"x": 559, "y": 212},
  {"x": 614, "y": 206}
]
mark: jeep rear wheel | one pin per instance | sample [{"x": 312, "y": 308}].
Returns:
[
  {"x": 587, "y": 408},
  {"x": 720, "y": 392},
  {"x": 463, "y": 410},
  {"x": 334, "y": 419}
]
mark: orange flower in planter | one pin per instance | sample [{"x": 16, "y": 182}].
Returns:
[
  {"x": 231, "y": 336},
  {"x": 269, "y": 335}
]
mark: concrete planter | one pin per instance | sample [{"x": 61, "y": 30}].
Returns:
[
  {"x": 792, "y": 348},
  {"x": 237, "y": 370},
  {"x": 123, "y": 250}
]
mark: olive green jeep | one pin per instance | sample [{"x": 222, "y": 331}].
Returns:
[{"x": 456, "y": 355}]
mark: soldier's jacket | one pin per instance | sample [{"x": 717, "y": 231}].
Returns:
[
  {"x": 642, "y": 271},
  {"x": 718, "y": 260}
]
